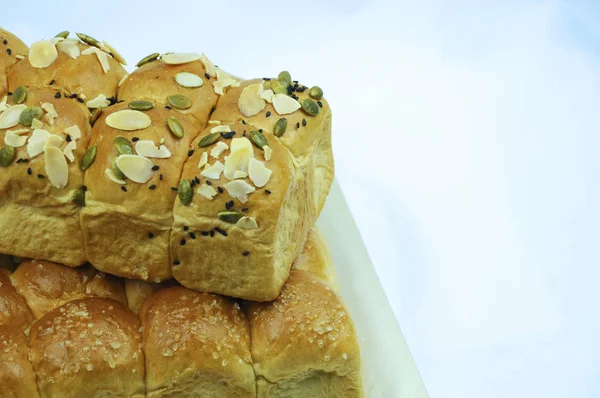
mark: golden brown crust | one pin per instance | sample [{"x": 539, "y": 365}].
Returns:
[
  {"x": 304, "y": 343},
  {"x": 46, "y": 285},
  {"x": 87, "y": 345},
  {"x": 13, "y": 309},
  {"x": 315, "y": 258},
  {"x": 127, "y": 232},
  {"x": 196, "y": 344},
  {"x": 17, "y": 379},
  {"x": 81, "y": 76},
  {"x": 10, "y": 47}
]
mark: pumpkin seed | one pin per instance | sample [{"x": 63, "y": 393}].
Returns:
[
  {"x": 285, "y": 78},
  {"x": 185, "y": 192},
  {"x": 96, "y": 115},
  {"x": 88, "y": 158},
  {"x": 229, "y": 216},
  {"x": 175, "y": 126},
  {"x": 310, "y": 107},
  {"x": 118, "y": 173},
  {"x": 19, "y": 95},
  {"x": 7, "y": 155},
  {"x": 123, "y": 146},
  {"x": 64, "y": 34},
  {"x": 88, "y": 40},
  {"x": 148, "y": 58},
  {"x": 316, "y": 92},
  {"x": 30, "y": 113},
  {"x": 280, "y": 127},
  {"x": 209, "y": 140},
  {"x": 78, "y": 197},
  {"x": 179, "y": 101},
  {"x": 278, "y": 87},
  {"x": 258, "y": 139},
  {"x": 140, "y": 105}
]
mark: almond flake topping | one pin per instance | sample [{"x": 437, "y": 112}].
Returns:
[
  {"x": 285, "y": 105},
  {"x": 51, "y": 113},
  {"x": 250, "y": 103},
  {"x": 136, "y": 168},
  {"x": 189, "y": 80},
  {"x": 259, "y": 174},
  {"x": 12, "y": 138},
  {"x": 36, "y": 124},
  {"x": 68, "y": 151},
  {"x": 74, "y": 132},
  {"x": 115, "y": 53},
  {"x": 180, "y": 58},
  {"x": 239, "y": 189},
  {"x": 3, "y": 105},
  {"x": 210, "y": 68},
  {"x": 247, "y": 223},
  {"x": 111, "y": 176},
  {"x": 267, "y": 95},
  {"x": 218, "y": 149},
  {"x": 10, "y": 117},
  {"x": 42, "y": 54},
  {"x": 207, "y": 191},
  {"x": 128, "y": 120},
  {"x": 213, "y": 172},
  {"x": 122, "y": 80},
  {"x": 239, "y": 174},
  {"x": 239, "y": 157},
  {"x": 219, "y": 85},
  {"x": 99, "y": 101},
  {"x": 268, "y": 152},
  {"x": 224, "y": 128},
  {"x": 57, "y": 168},
  {"x": 214, "y": 122},
  {"x": 69, "y": 47},
  {"x": 203, "y": 160},
  {"x": 36, "y": 143},
  {"x": 56, "y": 39},
  {"x": 53, "y": 141},
  {"x": 147, "y": 149}
]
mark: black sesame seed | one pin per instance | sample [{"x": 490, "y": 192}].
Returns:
[
  {"x": 204, "y": 233},
  {"x": 212, "y": 234},
  {"x": 267, "y": 192},
  {"x": 192, "y": 183},
  {"x": 80, "y": 100},
  {"x": 260, "y": 130},
  {"x": 5, "y": 42},
  {"x": 266, "y": 79},
  {"x": 304, "y": 122},
  {"x": 190, "y": 152},
  {"x": 192, "y": 235},
  {"x": 220, "y": 189},
  {"x": 197, "y": 180},
  {"x": 268, "y": 114},
  {"x": 243, "y": 121},
  {"x": 244, "y": 209},
  {"x": 185, "y": 228},
  {"x": 155, "y": 167},
  {"x": 298, "y": 125},
  {"x": 295, "y": 81},
  {"x": 69, "y": 139},
  {"x": 19, "y": 160},
  {"x": 212, "y": 110},
  {"x": 51, "y": 82},
  {"x": 124, "y": 189},
  {"x": 182, "y": 242},
  {"x": 57, "y": 95},
  {"x": 294, "y": 96},
  {"x": 150, "y": 235},
  {"x": 40, "y": 176},
  {"x": 229, "y": 205},
  {"x": 29, "y": 171},
  {"x": 168, "y": 107},
  {"x": 135, "y": 139},
  {"x": 245, "y": 253},
  {"x": 73, "y": 96},
  {"x": 152, "y": 186},
  {"x": 208, "y": 182},
  {"x": 25, "y": 160},
  {"x": 219, "y": 230},
  {"x": 160, "y": 177},
  {"x": 9, "y": 51},
  {"x": 244, "y": 134},
  {"x": 290, "y": 89},
  {"x": 9, "y": 93},
  {"x": 176, "y": 262},
  {"x": 229, "y": 135},
  {"x": 206, "y": 75},
  {"x": 320, "y": 104},
  {"x": 174, "y": 189},
  {"x": 83, "y": 188}
]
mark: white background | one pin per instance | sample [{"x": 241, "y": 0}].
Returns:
[{"x": 466, "y": 138}]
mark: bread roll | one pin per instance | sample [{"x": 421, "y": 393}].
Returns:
[
  {"x": 47, "y": 285},
  {"x": 11, "y": 49},
  {"x": 89, "y": 347},
  {"x": 17, "y": 379},
  {"x": 304, "y": 343},
  {"x": 196, "y": 344},
  {"x": 13, "y": 309}
]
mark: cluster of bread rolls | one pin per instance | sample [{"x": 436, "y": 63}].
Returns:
[{"x": 156, "y": 230}]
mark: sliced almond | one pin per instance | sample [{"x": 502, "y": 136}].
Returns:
[
  {"x": 42, "y": 54},
  {"x": 50, "y": 114},
  {"x": 213, "y": 172},
  {"x": 136, "y": 168},
  {"x": 239, "y": 174},
  {"x": 10, "y": 117},
  {"x": 103, "y": 58},
  {"x": 57, "y": 168},
  {"x": 207, "y": 191},
  {"x": 69, "y": 47},
  {"x": 267, "y": 95},
  {"x": 239, "y": 158},
  {"x": 68, "y": 151},
  {"x": 250, "y": 103},
  {"x": 89, "y": 51},
  {"x": 180, "y": 58},
  {"x": 285, "y": 105},
  {"x": 221, "y": 129},
  {"x": 239, "y": 189},
  {"x": 99, "y": 101},
  {"x": 115, "y": 53},
  {"x": 36, "y": 143},
  {"x": 218, "y": 149},
  {"x": 148, "y": 149},
  {"x": 54, "y": 141},
  {"x": 122, "y": 80},
  {"x": 203, "y": 160},
  {"x": 56, "y": 40},
  {"x": 219, "y": 85},
  {"x": 3, "y": 105},
  {"x": 36, "y": 124},
  {"x": 208, "y": 66},
  {"x": 20, "y": 131},
  {"x": 247, "y": 223},
  {"x": 15, "y": 140},
  {"x": 74, "y": 132},
  {"x": 189, "y": 80},
  {"x": 214, "y": 122},
  {"x": 110, "y": 174},
  {"x": 259, "y": 174},
  {"x": 128, "y": 120},
  {"x": 268, "y": 152}
]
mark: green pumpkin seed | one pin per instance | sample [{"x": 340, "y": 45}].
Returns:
[
  {"x": 185, "y": 192},
  {"x": 148, "y": 58},
  {"x": 88, "y": 40},
  {"x": 280, "y": 127},
  {"x": 278, "y": 87},
  {"x": 117, "y": 171},
  {"x": 310, "y": 107},
  {"x": 78, "y": 197},
  {"x": 179, "y": 101},
  {"x": 258, "y": 139},
  {"x": 209, "y": 140},
  {"x": 316, "y": 92},
  {"x": 229, "y": 216},
  {"x": 140, "y": 105},
  {"x": 30, "y": 113},
  {"x": 19, "y": 95},
  {"x": 285, "y": 78},
  {"x": 96, "y": 115},
  {"x": 175, "y": 126},
  {"x": 64, "y": 34},
  {"x": 7, "y": 155},
  {"x": 123, "y": 146},
  {"x": 88, "y": 158}
]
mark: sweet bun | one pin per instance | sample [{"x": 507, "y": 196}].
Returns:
[
  {"x": 17, "y": 379},
  {"x": 13, "y": 308},
  {"x": 11, "y": 49}
]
